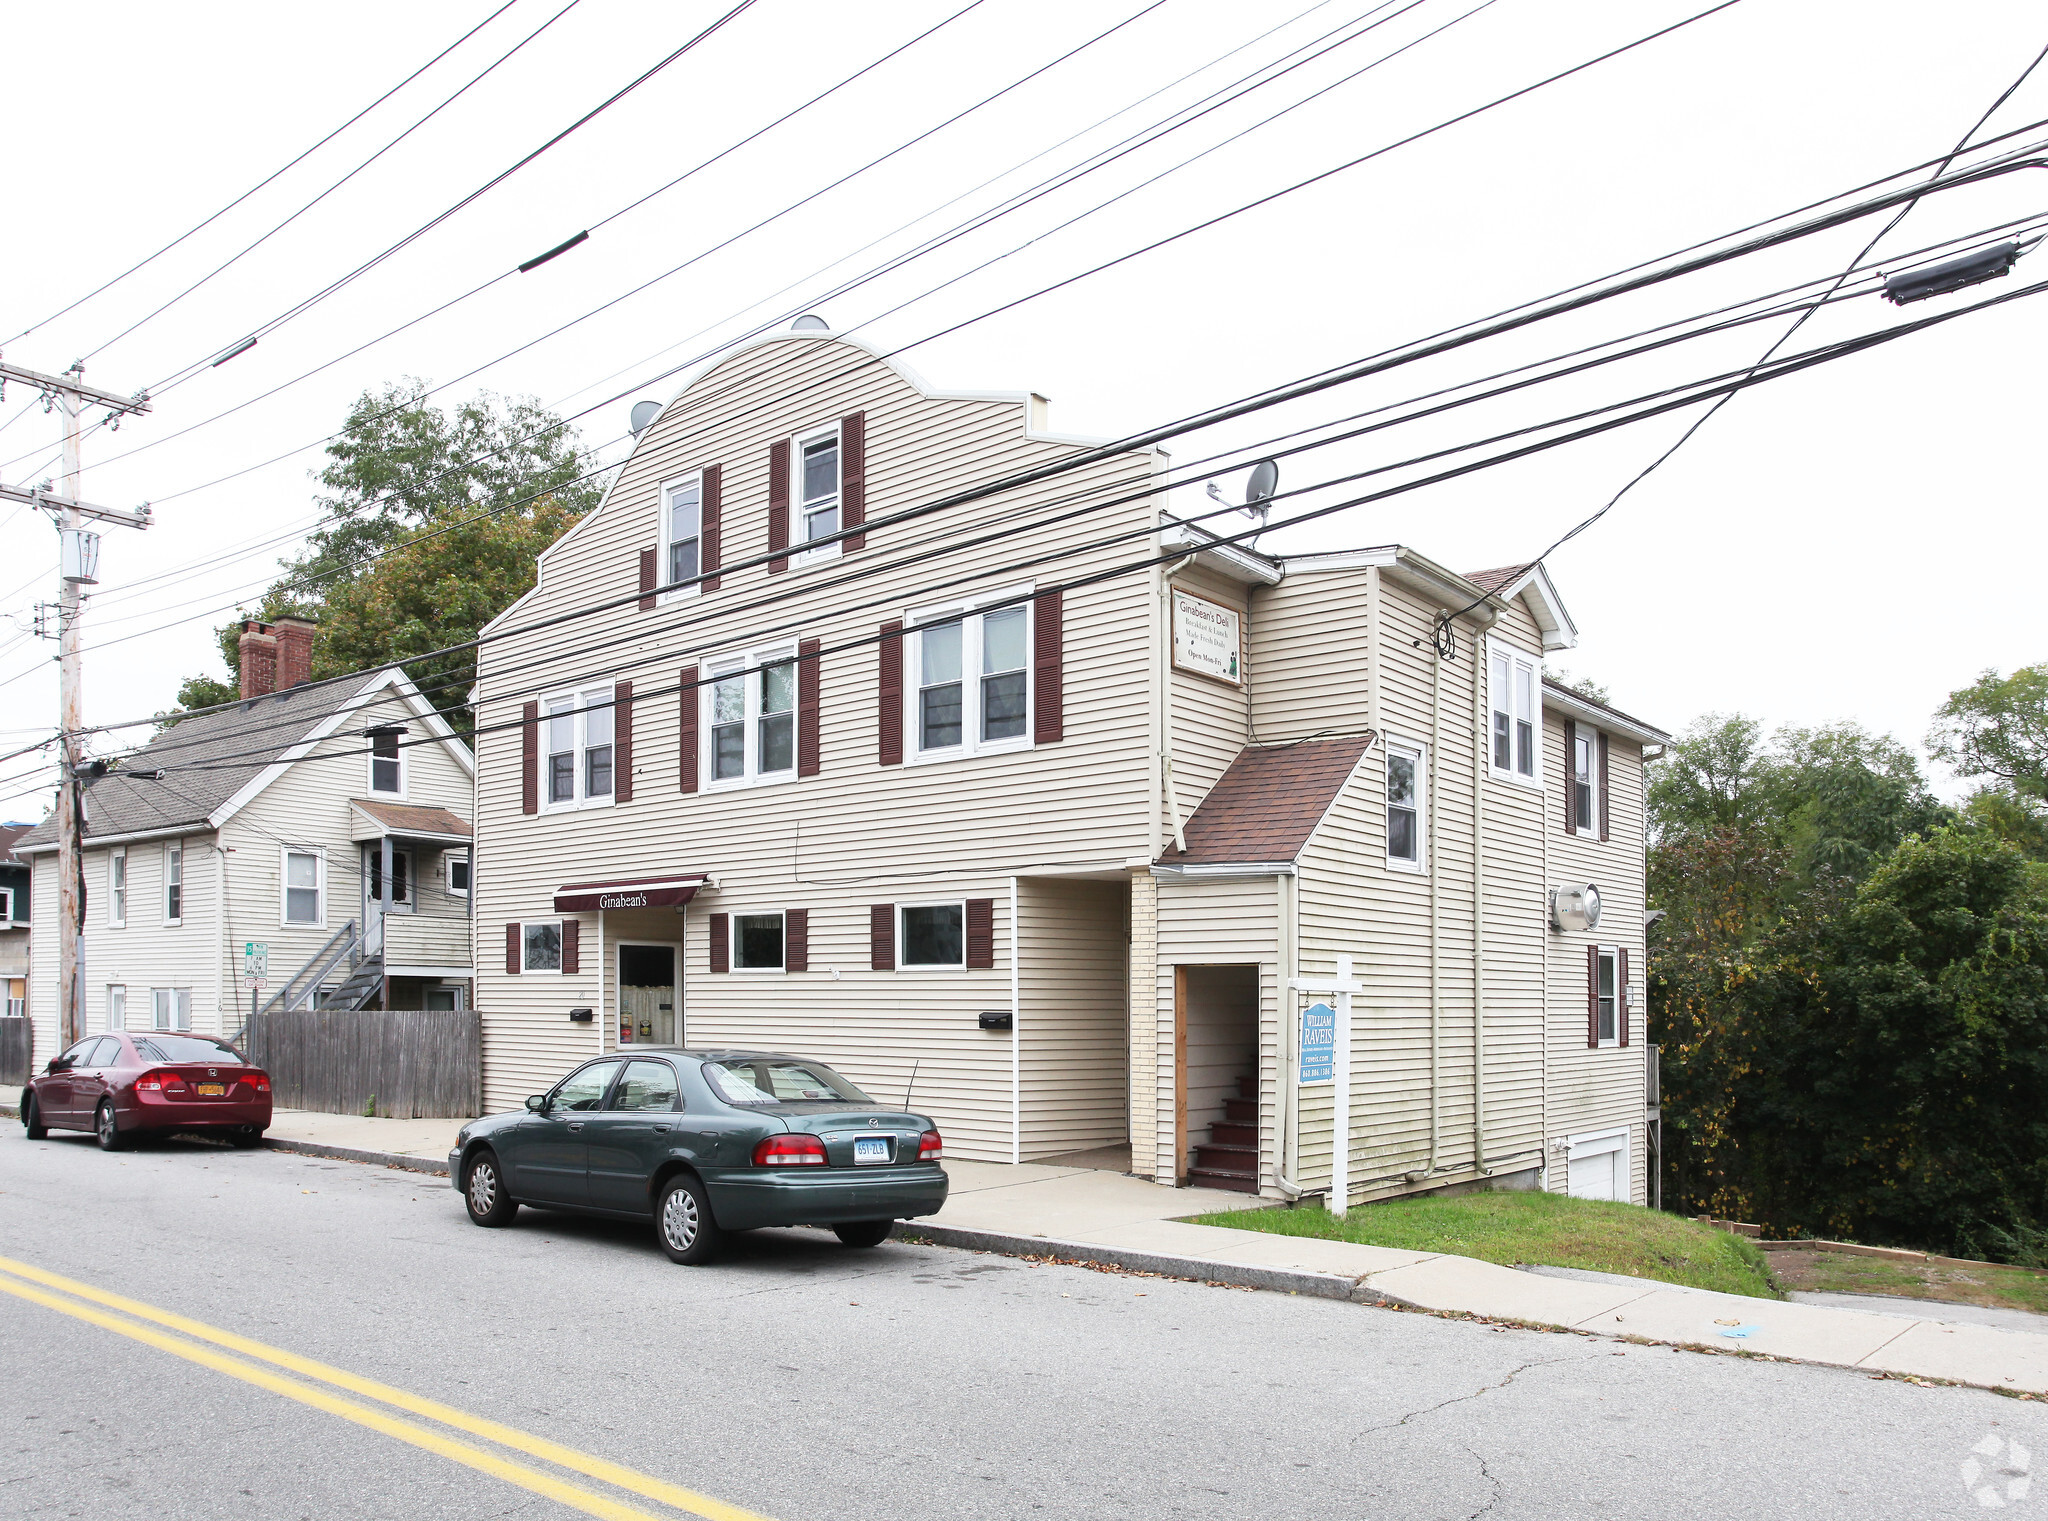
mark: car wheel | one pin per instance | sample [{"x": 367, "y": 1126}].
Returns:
[
  {"x": 483, "y": 1191},
  {"x": 683, "y": 1223},
  {"x": 864, "y": 1232},
  {"x": 32, "y": 1117},
  {"x": 106, "y": 1127},
  {"x": 248, "y": 1136}
]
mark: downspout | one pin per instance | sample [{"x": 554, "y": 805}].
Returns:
[
  {"x": 223, "y": 980},
  {"x": 1479, "y": 910},
  {"x": 1289, "y": 1149},
  {"x": 1016, "y": 1034},
  {"x": 1543, "y": 903},
  {"x": 1436, "y": 750}
]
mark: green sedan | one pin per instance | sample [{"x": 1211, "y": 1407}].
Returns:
[{"x": 702, "y": 1143}]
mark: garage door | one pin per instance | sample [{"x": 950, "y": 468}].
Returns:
[{"x": 1598, "y": 1166}]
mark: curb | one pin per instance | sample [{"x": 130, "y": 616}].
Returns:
[
  {"x": 1281, "y": 1280},
  {"x": 357, "y": 1154}
]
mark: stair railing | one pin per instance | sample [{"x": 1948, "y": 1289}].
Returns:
[{"x": 305, "y": 982}]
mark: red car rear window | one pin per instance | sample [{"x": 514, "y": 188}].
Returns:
[{"x": 184, "y": 1048}]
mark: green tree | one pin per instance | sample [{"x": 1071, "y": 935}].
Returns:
[
  {"x": 1843, "y": 797},
  {"x": 433, "y": 519},
  {"x": 1998, "y": 728},
  {"x": 1714, "y": 776}
]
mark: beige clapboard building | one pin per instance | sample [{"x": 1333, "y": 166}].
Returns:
[{"x": 1038, "y": 807}]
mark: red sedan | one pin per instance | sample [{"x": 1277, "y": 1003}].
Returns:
[{"x": 128, "y": 1083}]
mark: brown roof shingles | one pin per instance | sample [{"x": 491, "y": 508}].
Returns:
[
  {"x": 1495, "y": 580},
  {"x": 1269, "y": 801},
  {"x": 411, "y": 818}
]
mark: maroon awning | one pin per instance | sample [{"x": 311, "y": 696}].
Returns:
[{"x": 629, "y": 892}]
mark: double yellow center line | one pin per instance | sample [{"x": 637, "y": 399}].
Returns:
[{"x": 198, "y": 1343}]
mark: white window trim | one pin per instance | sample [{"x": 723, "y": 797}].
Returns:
[
  {"x": 538, "y": 971},
  {"x": 1420, "y": 752},
  {"x": 112, "y": 1022},
  {"x": 661, "y": 569},
  {"x": 918, "y": 619},
  {"x": 798, "y": 556},
  {"x": 117, "y": 898},
  {"x": 1591, "y": 735},
  {"x": 164, "y": 887},
  {"x": 173, "y": 1027},
  {"x": 370, "y": 768},
  {"x": 1515, "y": 655},
  {"x": 1605, "y": 952},
  {"x": 284, "y": 883},
  {"x": 449, "y": 860},
  {"x": 579, "y": 699},
  {"x": 903, "y": 964},
  {"x": 732, "y": 939},
  {"x": 749, "y": 666},
  {"x": 6, "y": 906}
]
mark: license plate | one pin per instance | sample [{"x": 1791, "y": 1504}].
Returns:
[
  {"x": 870, "y": 1149},
  {"x": 212, "y": 1090}
]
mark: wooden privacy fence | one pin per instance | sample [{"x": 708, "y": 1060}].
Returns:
[
  {"x": 417, "y": 1064},
  {"x": 17, "y": 1051}
]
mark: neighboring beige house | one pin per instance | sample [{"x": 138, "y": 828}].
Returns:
[
  {"x": 1040, "y": 832},
  {"x": 14, "y": 920},
  {"x": 272, "y": 822}
]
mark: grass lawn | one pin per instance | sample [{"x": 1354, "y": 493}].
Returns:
[
  {"x": 2010, "y": 1288},
  {"x": 1542, "y": 1229}
]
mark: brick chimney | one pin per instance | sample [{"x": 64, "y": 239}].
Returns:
[
  {"x": 294, "y": 652},
  {"x": 256, "y": 653}
]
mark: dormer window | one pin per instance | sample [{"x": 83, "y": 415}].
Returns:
[
  {"x": 817, "y": 504},
  {"x": 684, "y": 531},
  {"x": 387, "y": 762}
]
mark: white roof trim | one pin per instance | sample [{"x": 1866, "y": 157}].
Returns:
[
  {"x": 1545, "y": 606},
  {"x": 107, "y": 841},
  {"x": 1199, "y": 869},
  {"x": 1566, "y": 701},
  {"x": 1233, "y": 561},
  {"x": 1446, "y": 588}
]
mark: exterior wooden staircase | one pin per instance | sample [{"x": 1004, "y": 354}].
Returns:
[{"x": 1230, "y": 1157}]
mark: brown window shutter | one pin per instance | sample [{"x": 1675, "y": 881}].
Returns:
[
  {"x": 512, "y": 950},
  {"x": 709, "y": 541},
  {"x": 882, "y": 937},
  {"x": 981, "y": 933},
  {"x": 572, "y": 946},
  {"x": 687, "y": 749},
  {"x": 647, "y": 581},
  {"x": 1571, "y": 776},
  {"x": 1592, "y": 995},
  {"x": 853, "y": 477},
  {"x": 529, "y": 758},
  {"x": 622, "y": 742},
  {"x": 1048, "y": 724},
  {"x": 796, "y": 940},
  {"x": 1603, "y": 786},
  {"x": 721, "y": 943},
  {"x": 778, "y": 504},
  {"x": 1621, "y": 994},
  {"x": 889, "y": 714},
  {"x": 807, "y": 707}
]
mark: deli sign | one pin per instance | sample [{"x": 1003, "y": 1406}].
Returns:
[
  {"x": 673, "y": 889},
  {"x": 1207, "y": 637}
]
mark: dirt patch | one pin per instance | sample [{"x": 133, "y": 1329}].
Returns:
[{"x": 2007, "y": 1288}]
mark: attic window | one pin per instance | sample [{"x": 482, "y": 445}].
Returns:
[{"x": 387, "y": 764}]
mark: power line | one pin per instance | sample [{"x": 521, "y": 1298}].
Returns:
[{"x": 304, "y": 155}]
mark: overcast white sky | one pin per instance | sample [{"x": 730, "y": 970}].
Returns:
[{"x": 1850, "y": 543}]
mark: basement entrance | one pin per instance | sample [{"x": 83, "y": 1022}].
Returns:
[{"x": 1216, "y": 1076}]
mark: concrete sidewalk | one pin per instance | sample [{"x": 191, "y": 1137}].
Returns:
[{"x": 1086, "y": 1215}]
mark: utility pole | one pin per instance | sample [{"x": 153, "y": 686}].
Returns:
[{"x": 78, "y": 567}]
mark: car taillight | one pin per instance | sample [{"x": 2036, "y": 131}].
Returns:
[
  {"x": 929, "y": 1147},
  {"x": 257, "y": 1081},
  {"x": 160, "y": 1082},
  {"x": 790, "y": 1151}
]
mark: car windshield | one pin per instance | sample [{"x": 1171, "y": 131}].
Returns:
[
  {"x": 184, "y": 1048},
  {"x": 778, "y": 1080}
]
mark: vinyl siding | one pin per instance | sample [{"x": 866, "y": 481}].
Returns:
[{"x": 1071, "y": 1029}]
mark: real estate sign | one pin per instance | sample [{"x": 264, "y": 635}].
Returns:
[
  {"x": 1206, "y": 637},
  {"x": 1318, "y": 1043}
]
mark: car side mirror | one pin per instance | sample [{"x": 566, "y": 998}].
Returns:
[
  {"x": 537, "y": 1102},
  {"x": 59, "y": 1064}
]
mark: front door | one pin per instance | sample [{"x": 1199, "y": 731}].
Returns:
[
  {"x": 550, "y": 1160},
  {"x": 630, "y": 1136},
  {"x": 648, "y": 1005},
  {"x": 373, "y": 892}
]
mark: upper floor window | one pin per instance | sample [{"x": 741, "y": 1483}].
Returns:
[
  {"x": 750, "y": 710},
  {"x": 117, "y": 888},
  {"x": 1512, "y": 678},
  {"x": 817, "y": 503},
  {"x": 174, "y": 884},
  {"x": 1585, "y": 769},
  {"x": 387, "y": 761},
  {"x": 1405, "y": 787},
  {"x": 682, "y": 531},
  {"x": 458, "y": 875},
  {"x": 579, "y": 735},
  {"x": 972, "y": 680},
  {"x": 304, "y": 880}
]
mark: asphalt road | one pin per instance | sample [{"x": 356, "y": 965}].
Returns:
[{"x": 804, "y": 1381}]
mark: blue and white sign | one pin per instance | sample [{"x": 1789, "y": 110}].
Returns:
[{"x": 1318, "y": 1043}]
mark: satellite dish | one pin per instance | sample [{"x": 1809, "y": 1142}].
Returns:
[
  {"x": 810, "y": 322},
  {"x": 644, "y": 412},
  {"x": 1264, "y": 482}
]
